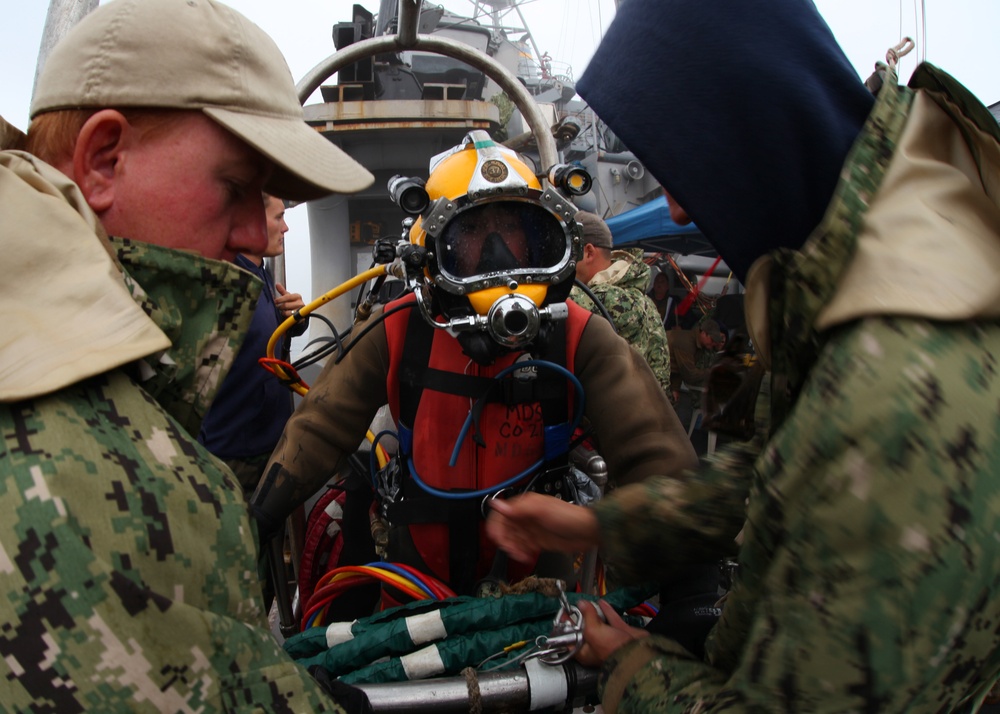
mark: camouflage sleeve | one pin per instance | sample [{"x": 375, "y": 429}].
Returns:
[
  {"x": 127, "y": 567},
  {"x": 651, "y": 528},
  {"x": 654, "y": 341},
  {"x": 95, "y": 641},
  {"x": 868, "y": 577}
]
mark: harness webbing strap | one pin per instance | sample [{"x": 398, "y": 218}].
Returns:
[
  {"x": 462, "y": 385},
  {"x": 416, "y": 356},
  {"x": 417, "y": 507},
  {"x": 555, "y": 406},
  {"x": 420, "y": 510}
]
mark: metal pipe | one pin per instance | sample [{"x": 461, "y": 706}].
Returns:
[
  {"x": 450, "y": 48},
  {"x": 498, "y": 692},
  {"x": 60, "y": 19},
  {"x": 409, "y": 17},
  {"x": 531, "y": 37}
]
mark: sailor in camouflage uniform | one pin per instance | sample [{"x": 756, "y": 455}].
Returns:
[
  {"x": 619, "y": 279},
  {"x": 127, "y": 558},
  {"x": 868, "y": 546}
]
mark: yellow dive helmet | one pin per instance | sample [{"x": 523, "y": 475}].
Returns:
[{"x": 501, "y": 247}]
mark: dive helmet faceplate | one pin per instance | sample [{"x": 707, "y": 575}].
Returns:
[{"x": 497, "y": 241}]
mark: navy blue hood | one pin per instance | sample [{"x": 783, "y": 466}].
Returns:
[{"x": 744, "y": 111}]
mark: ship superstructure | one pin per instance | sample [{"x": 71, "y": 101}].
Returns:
[{"x": 395, "y": 110}]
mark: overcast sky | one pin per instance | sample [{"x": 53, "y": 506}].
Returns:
[
  {"x": 960, "y": 38},
  {"x": 961, "y": 35}
]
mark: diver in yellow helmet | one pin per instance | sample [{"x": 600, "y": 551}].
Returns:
[
  {"x": 488, "y": 372},
  {"x": 499, "y": 248}
]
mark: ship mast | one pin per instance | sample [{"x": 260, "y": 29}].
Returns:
[
  {"x": 61, "y": 16},
  {"x": 498, "y": 11}
]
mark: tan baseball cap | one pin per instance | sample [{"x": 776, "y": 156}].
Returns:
[
  {"x": 198, "y": 55},
  {"x": 595, "y": 230}
]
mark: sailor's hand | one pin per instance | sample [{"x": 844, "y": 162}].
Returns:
[
  {"x": 526, "y": 525},
  {"x": 603, "y": 633},
  {"x": 287, "y": 302}
]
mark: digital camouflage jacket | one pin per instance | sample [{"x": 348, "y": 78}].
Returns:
[
  {"x": 867, "y": 522},
  {"x": 127, "y": 559},
  {"x": 622, "y": 289}
]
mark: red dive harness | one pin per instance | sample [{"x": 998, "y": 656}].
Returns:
[{"x": 466, "y": 431}]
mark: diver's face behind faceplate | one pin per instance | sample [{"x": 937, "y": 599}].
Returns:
[{"x": 507, "y": 237}]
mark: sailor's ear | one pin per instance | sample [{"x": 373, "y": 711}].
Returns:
[{"x": 97, "y": 157}]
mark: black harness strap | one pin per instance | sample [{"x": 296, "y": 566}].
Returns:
[
  {"x": 416, "y": 356},
  {"x": 462, "y": 385},
  {"x": 555, "y": 406}
]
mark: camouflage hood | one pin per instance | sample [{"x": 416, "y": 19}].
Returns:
[
  {"x": 926, "y": 168},
  {"x": 66, "y": 311},
  {"x": 942, "y": 185},
  {"x": 204, "y": 307},
  {"x": 71, "y": 311},
  {"x": 627, "y": 271}
]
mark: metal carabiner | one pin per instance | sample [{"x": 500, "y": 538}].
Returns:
[
  {"x": 484, "y": 505},
  {"x": 566, "y": 637},
  {"x": 558, "y": 648}
]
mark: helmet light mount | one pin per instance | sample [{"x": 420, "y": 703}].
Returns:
[
  {"x": 574, "y": 180},
  {"x": 409, "y": 194}
]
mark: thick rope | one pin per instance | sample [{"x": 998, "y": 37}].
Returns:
[
  {"x": 475, "y": 697},
  {"x": 532, "y": 584}
]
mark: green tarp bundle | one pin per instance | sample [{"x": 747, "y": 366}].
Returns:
[{"x": 431, "y": 638}]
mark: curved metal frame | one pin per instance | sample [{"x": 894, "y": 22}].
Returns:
[{"x": 450, "y": 48}]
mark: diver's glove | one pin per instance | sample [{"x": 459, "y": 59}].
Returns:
[
  {"x": 352, "y": 699},
  {"x": 277, "y": 495}
]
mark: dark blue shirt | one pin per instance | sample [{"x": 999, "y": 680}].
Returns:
[{"x": 249, "y": 412}]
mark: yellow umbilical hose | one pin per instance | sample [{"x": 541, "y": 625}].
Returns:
[
  {"x": 320, "y": 302},
  {"x": 296, "y": 384}
]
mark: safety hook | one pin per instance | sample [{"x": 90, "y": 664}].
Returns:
[{"x": 905, "y": 46}]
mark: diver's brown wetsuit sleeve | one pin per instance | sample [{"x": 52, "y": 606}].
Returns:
[{"x": 326, "y": 427}]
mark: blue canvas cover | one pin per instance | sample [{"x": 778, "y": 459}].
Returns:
[{"x": 649, "y": 226}]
